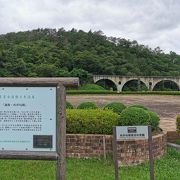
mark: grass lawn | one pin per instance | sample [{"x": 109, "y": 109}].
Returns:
[
  {"x": 167, "y": 168},
  {"x": 178, "y": 142}
]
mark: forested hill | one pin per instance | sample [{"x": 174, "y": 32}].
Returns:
[{"x": 48, "y": 52}]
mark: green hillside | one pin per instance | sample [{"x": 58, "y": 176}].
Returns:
[{"x": 50, "y": 52}]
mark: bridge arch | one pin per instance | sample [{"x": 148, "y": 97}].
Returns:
[
  {"x": 166, "y": 83},
  {"x": 149, "y": 81},
  {"x": 138, "y": 84},
  {"x": 107, "y": 83}
]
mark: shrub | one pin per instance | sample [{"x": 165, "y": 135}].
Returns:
[
  {"x": 91, "y": 87},
  {"x": 134, "y": 116},
  {"x": 138, "y": 106},
  {"x": 91, "y": 121},
  {"x": 69, "y": 105},
  {"x": 154, "y": 120},
  {"x": 115, "y": 107},
  {"x": 138, "y": 116},
  {"x": 178, "y": 122},
  {"x": 87, "y": 105}
]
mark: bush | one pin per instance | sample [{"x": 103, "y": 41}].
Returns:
[
  {"x": 138, "y": 116},
  {"x": 91, "y": 121},
  {"x": 154, "y": 120},
  {"x": 138, "y": 106},
  {"x": 178, "y": 122},
  {"x": 69, "y": 105},
  {"x": 87, "y": 105},
  {"x": 134, "y": 116},
  {"x": 91, "y": 87},
  {"x": 115, "y": 107}
]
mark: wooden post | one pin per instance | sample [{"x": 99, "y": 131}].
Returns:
[
  {"x": 61, "y": 132},
  {"x": 150, "y": 153},
  {"x": 104, "y": 146},
  {"x": 115, "y": 153}
]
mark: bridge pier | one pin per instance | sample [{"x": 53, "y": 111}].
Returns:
[{"x": 119, "y": 88}]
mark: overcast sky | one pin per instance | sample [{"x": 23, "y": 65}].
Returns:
[{"x": 150, "y": 22}]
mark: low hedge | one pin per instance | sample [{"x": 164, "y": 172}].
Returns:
[
  {"x": 69, "y": 105},
  {"x": 91, "y": 92},
  {"x": 91, "y": 121},
  {"x": 178, "y": 122},
  {"x": 115, "y": 107},
  {"x": 91, "y": 87},
  {"x": 87, "y": 105},
  {"x": 123, "y": 92}
]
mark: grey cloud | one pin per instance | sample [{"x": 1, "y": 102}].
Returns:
[{"x": 152, "y": 22}]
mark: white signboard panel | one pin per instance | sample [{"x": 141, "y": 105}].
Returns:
[
  {"x": 28, "y": 118},
  {"x": 131, "y": 132}
]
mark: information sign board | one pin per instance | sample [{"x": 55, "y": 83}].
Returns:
[
  {"x": 125, "y": 133},
  {"x": 28, "y": 118},
  {"x": 33, "y": 120},
  {"x": 131, "y": 132}
]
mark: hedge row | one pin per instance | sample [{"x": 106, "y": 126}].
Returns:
[
  {"x": 98, "y": 121},
  {"x": 91, "y": 87},
  {"x": 124, "y": 92},
  {"x": 178, "y": 122},
  {"x": 90, "y": 92},
  {"x": 87, "y": 118},
  {"x": 91, "y": 121}
]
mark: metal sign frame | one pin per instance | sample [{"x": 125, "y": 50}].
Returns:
[
  {"x": 59, "y": 154},
  {"x": 151, "y": 162}
]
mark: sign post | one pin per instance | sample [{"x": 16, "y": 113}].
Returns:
[
  {"x": 150, "y": 153},
  {"x": 125, "y": 133},
  {"x": 115, "y": 153},
  {"x": 32, "y": 120}
]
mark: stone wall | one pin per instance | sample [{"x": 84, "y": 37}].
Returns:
[
  {"x": 129, "y": 152},
  {"x": 173, "y": 136}
]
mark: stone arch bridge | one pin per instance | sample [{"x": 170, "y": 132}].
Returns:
[{"x": 149, "y": 81}]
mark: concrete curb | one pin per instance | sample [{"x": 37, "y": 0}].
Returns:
[{"x": 176, "y": 146}]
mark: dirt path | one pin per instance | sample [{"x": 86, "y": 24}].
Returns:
[{"x": 167, "y": 107}]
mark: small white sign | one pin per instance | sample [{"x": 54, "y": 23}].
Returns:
[
  {"x": 28, "y": 118},
  {"x": 131, "y": 132}
]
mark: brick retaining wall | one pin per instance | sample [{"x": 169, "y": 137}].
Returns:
[{"x": 129, "y": 152}]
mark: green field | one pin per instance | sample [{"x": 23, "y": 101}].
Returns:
[{"x": 167, "y": 168}]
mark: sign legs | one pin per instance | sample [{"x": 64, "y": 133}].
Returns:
[
  {"x": 115, "y": 154},
  {"x": 132, "y": 133},
  {"x": 151, "y": 162}
]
